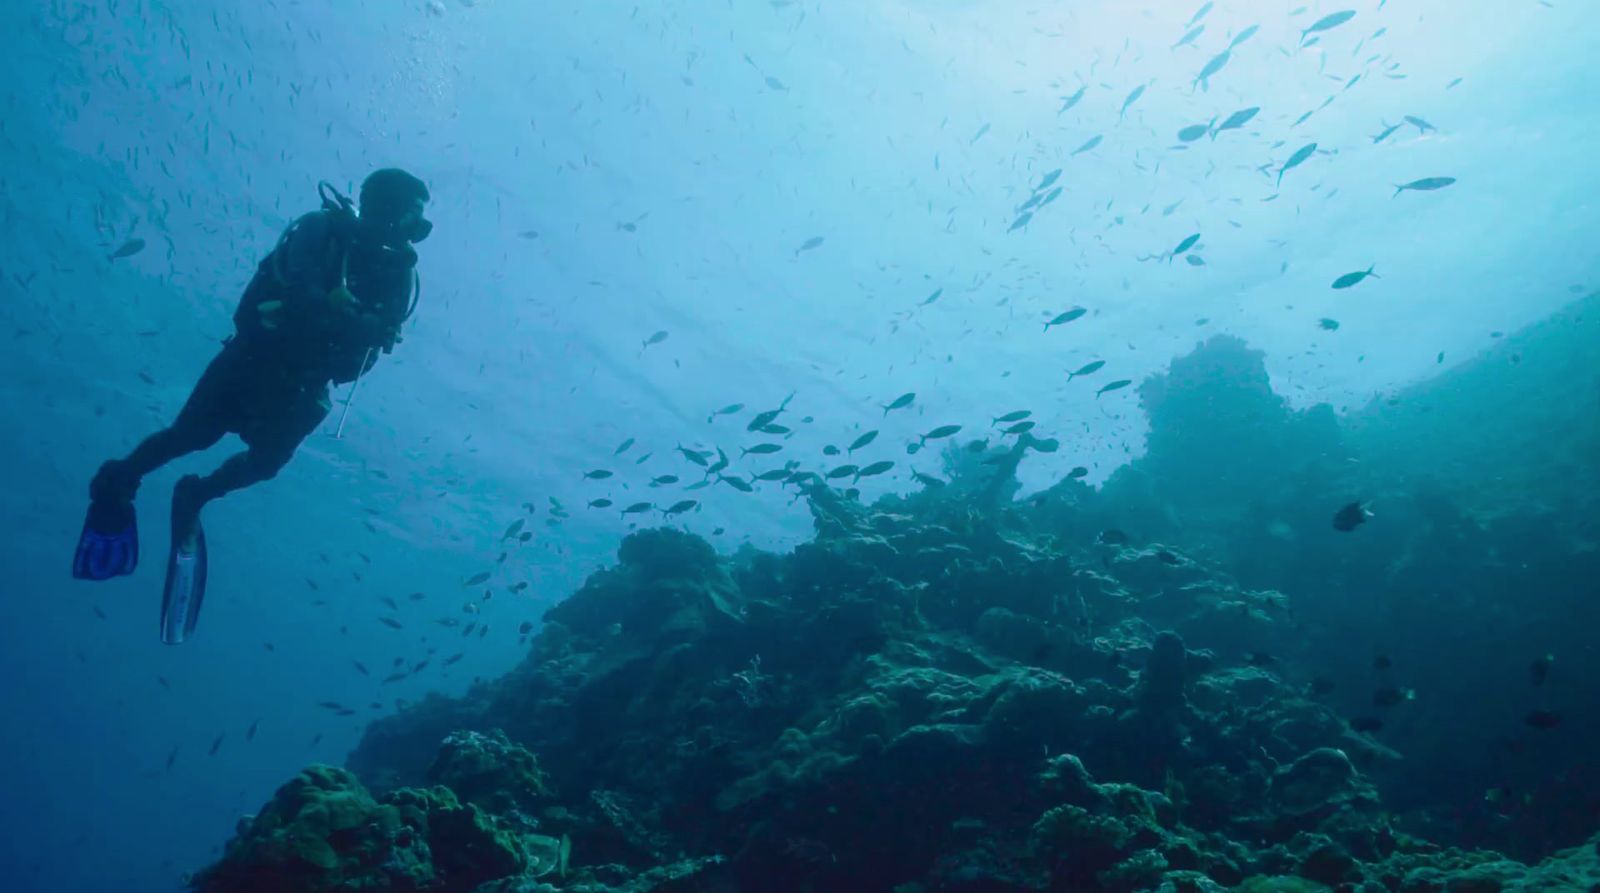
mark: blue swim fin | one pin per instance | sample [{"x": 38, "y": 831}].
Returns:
[
  {"x": 109, "y": 544},
  {"x": 186, "y": 566}
]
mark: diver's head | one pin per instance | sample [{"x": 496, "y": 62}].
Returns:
[{"x": 391, "y": 207}]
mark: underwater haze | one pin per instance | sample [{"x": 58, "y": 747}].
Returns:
[{"x": 1133, "y": 298}]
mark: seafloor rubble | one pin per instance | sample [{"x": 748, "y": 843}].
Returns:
[{"x": 955, "y": 690}]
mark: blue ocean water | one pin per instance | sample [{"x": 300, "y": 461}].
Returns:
[{"x": 647, "y": 212}]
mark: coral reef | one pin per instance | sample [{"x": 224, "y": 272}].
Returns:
[{"x": 952, "y": 691}]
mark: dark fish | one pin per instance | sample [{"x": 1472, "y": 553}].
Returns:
[
  {"x": 900, "y": 402},
  {"x": 526, "y": 627},
  {"x": 172, "y": 757},
  {"x": 1065, "y": 317},
  {"x": 1088, "y": 145},
  {"x": 1297, "y": 159},
  {"x": 679, "y": 507},
  {"x": 699, "y": 459},
  {"x": 1350, "y": 517},
  {"x": 216, "y": 745},
  {"x": 927, "y": 480},
  {"x": 655, "y": 339},
  {"x": 601, "y": 503},
  {"x": 1390, "y": 696},
  {"x": 1048, "y": 181},
  {"x": 941, "y": 432},
  {"x": 513, "y": 530},
  {"x": 1078, "y": 473},
  {"x": 1117, "y": 385},
  {"x": 598, "y": 474},
  {"x": 1421, "y": 125},
  {"x": 1193, "y": 132},
  {"x": 740, "y": 484},
  {"x": 862, "y": 441},
  {"x": 1195, "y": 260},
  {"x": 250, "y": 733},
  {"x": 623, "y": 448},
  {"x": 361, "y": 668},
  {"x": 1013, "y": 416},
  {"x": 1047, "y": 445},
  {"x": 931, "y": 298},
  {"x": 1087, "y": 369},
  {"x": 761, "y": 449},
  {"x": 1331, "y": 325},
  {"x": 809, "y": 244},
  {"x": 1539, "y": 670},
  {"x": 1385, "y": 133},
  {"x": 1355, "y": 278},
  {"x": 1184, "y": 246},
  {"x": 874, "y": 469},
  {"x": 1132, "y": 98},
  {"x": 842, "y": 471},
  {"x": 1543, "y": 720},
  {"x": 1426, "y": 184},
  {"x": 831, "y": 450},
  {"x": 663, "y": 480},
  {"x": 390, "y": 622},
  {"x": 1018, "y": 428},
  {"x": 1236, "y": 120},
  {"x": 127, "y": 249},
  {"x": 638, "y": 507},
  {"x": 1068, "y": 102},
  {"x": 1327, "y": 23},
  {"x": 454, "y": 658},
  {"x": 1217, "y": 63}
]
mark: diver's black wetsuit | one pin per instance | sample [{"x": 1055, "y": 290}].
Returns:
[{"x": 269, "y": 384}]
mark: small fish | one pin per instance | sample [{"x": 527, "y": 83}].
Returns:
[
  {"x": 172, "y": 757},
  {"x": 1087, "y": 369},
  {"x": 526, "y": 627},
  {"x": 1013, "y": 416},
  {"x": 1132, "y": 98},
  {"x": 1078, "y": 473},
  {"x": 216, "y": 745},
  {"x": 1117, "y": 385},
  {"x": 663, "y": 480},
  {"x": 1539, "y": 670},
  {"x": 598, "y": 474},
  {"x": 1200, "y": 13},
  {"x": 454, "y": 658},
  {"x": 874, "y": 469},
  {"x": 361, "y": 668},
  {"x": 1048, "y": 181},
  {"x": 1421, "y": 125},
  {"x": 1390, "y": 696},
  {"x": 1387, "y": 130},
  {"x": 1349, "y": 279},
  {"x": 843, "y": 471},
  {"x": 1195, "y": 260},
  {"x": 1184, "y": 246},
  {"x": 979, "y": 135},
  {"x": 477, "y": 579},
  {"x": 1065, "y": 317},
  {"x": 1243, "y": 36},
  {"x": 1067, "y": 102},
  {"x": 1331, "y": 325},
  {"x": 1298, "y": 158},
  {"x": 1019, "y": 428},
  {"x": 1047, "y": 445},
  {"x": 1327, "y": 23},
  {"x": 941, "y": 432},
  {"x": 927, "y": 480},
  {"x": 808, "y": 245},
  {"x": 1367, "y": 724},
  {"x": 775, "y": 84},
  {"x": 862, "y": 441},
  {"x": 1217, "y": 63},
  {"x": 900, "y": 402},
  {"x": 638, "y": 507},
  {"x": 653, "y": 340},
  {"x": 601, "y": 503},
  {"x": 1236, "y": 120},
  {"x": 931, "y": 298},
  {"x": 127, "y": 249},
  {"x": 740, "y": 484},
  {"x": 1021, "y": 221},
  {"x": 730, "y": 409},
  {"x": 1189, "y": 38},
  {"x": 761, "y": 449},
  {"x": 513, "y": 530},
  {"x": 250, "y": 733},
  {"x": 1088, "y": 145},
  {"x": 1426, "y": 184},
  {"x": 623, "y": 448},
  {"x": 1350, "y": 517},
  {"x": 1543, "y": 720},
  {"x": 679, "y": 507},
  {"x": 697, "y": 458},
  {"x": 391, "y": 622},
  {"x": 1193, "y": 132}
]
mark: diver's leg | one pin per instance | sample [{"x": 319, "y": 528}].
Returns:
[
  {"x": 241, "y": 470},
  {"x": 199, "y": 425}
]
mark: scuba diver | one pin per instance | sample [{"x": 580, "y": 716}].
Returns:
[{"x": 331, "y": 295}]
